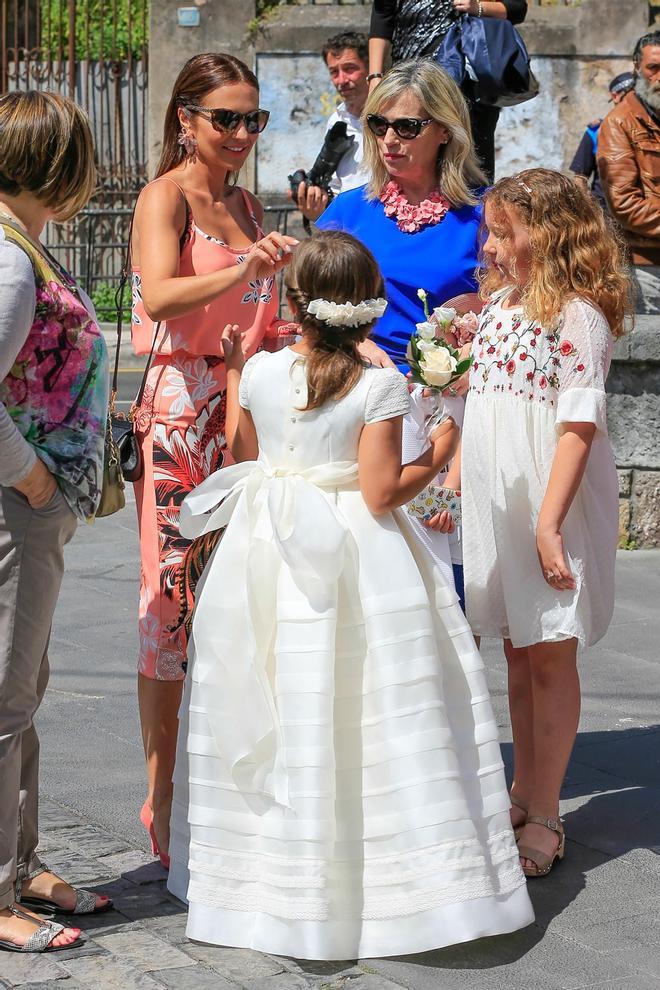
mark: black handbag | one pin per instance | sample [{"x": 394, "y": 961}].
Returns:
[
  {"x": 122, "y": 426},
  {"x": 488, "y": 59}
]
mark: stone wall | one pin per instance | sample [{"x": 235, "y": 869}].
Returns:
[
  {"x": 633, "y": 417},
  {"x": 576, "y": 50}
]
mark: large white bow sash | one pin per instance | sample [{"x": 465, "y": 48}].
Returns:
[{"x": 277, "y": 516}]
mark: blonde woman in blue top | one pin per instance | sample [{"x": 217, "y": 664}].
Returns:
[{"x": 419, "y": 212}]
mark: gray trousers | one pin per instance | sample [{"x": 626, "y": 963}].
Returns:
[{"x": 31, "y": 567}]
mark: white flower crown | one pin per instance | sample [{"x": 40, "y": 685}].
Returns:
[{"x": 347, "y": 314}]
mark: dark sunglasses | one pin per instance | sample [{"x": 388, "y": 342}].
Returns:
[
  {"x": 406, "y": 128},
  {"x": 230, "y": 120}
]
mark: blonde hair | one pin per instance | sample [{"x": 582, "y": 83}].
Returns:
[
  {"x": 458, "y": 172},
  {"x": 46, "y": 149},
  {"x": 332, "y": 265},
  {"x": 575, "y": 251}
]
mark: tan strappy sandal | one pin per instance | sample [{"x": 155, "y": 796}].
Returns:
[
  {"x": 517, "y": 829},
  {"x": 542, "y": 862}
]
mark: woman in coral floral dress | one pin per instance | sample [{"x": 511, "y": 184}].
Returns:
[{"x": 200, "y": 260}]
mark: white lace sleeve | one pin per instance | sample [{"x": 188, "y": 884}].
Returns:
[
  {"x": 585, "y": 350},
  {"x": 244, "y": 386},
  {"x": 387, "y": 397}
]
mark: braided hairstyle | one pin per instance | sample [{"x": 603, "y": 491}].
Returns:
[{"x": 335, "y": 266}]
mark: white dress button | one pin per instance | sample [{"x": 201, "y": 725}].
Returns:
[
  {"x": 291, "y": 447},
  {"x": 297, "y": 391},
  {"x": 293, "y": 419}
]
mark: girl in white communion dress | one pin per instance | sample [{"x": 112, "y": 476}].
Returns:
[{"x": 339, "y": 789}]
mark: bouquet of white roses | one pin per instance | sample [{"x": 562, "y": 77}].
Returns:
[{"x": 434, "y": 363}]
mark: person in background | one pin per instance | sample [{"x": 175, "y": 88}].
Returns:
[
  {"x": 420, "y": 216},
  {"x": 584, "y": 160},
  {"x": 53, "y": 413},
  {"x": 405, "y": 29},
  {"x": 628, "y": 160},
  {"x": 346, "y": 56}
]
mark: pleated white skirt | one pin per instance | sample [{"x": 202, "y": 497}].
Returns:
[{"x": 398, "y": 837}]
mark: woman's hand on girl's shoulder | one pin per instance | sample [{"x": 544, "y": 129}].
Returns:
[{"x": 375, "y": 355}]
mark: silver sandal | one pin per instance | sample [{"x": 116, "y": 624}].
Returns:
[
  {"x": 85, "y": 899},
  {"x": 41, "y": 939}
]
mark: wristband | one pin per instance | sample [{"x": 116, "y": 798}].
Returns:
[{"x": 374, "y": 75}]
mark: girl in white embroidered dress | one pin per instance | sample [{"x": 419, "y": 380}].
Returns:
[
  {"x": 339, "y": 789},
  {"x": 540, "y": 494}
]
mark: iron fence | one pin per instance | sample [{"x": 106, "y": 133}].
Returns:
[
  {"x": 96, "y": 52},
  {"x": 93, "y": 247}
]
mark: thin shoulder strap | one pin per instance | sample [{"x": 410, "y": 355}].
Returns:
[{"x": 250, "y": 208}]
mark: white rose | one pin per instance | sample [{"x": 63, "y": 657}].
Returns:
[
  {"x": 426, "y": 331},
  {"x": 426, "y": 345},
  {"x": 437, "y": 367},
  {"x": 444, "y": 315}
]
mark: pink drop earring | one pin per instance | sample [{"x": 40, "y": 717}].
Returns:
[{"x": 189, "y": 142}]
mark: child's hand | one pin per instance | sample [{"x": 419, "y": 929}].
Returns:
[
  {"x": 550, "y": 548},
  {"x": 460, "y": 386},
  {"x": 441, "y": 522},
  {"x": 232, "y": 346}
]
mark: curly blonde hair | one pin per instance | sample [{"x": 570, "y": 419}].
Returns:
[
  {"x": 574, "y": 248},
  {"x": 457, "y": 170}
]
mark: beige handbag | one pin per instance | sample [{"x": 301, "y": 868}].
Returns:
[{"x": 112, "y": 491}]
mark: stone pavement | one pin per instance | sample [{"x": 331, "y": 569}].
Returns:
[{"x": 598, "y": 915}]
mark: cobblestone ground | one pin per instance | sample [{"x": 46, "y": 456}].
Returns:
[{"x": 597, "y": 916}]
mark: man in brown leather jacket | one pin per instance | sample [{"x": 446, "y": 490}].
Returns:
[{"x": 628, "y": 159}]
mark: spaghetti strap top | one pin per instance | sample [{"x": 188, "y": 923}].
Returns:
[{"x": 252, "y": 305}]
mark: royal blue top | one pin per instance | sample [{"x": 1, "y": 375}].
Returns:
[{"x": 440, "y": 258}]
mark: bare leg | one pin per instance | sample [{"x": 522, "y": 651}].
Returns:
[
  {"x": 521, "y": 711},
  {"x": 159, "y": 706},
  {"x": 556, "y": 692}
]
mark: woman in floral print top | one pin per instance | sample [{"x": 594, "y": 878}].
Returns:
[
  {"x": 540, "y": 493},
  {"x": 53, "y": 411},
  {"x": 200, "y": 261}
]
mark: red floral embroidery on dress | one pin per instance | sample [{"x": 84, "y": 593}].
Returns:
[{"x": 518, "y": 356}]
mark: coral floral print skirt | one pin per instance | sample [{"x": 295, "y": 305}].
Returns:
[{"x": 181, "y": 426}]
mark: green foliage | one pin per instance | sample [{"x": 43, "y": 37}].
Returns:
[
  {"x": 265, "y": 6},
  {"x": 104, "y": 299},
  {"x": 104, "y": 29},
  {"x": 265, "y": 10}
]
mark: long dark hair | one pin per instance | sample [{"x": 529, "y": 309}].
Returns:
[
  {"x": 332, "y": 265},
  {"x": 200, "y": 76}
]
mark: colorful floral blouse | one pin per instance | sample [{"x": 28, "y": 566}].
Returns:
[{"x": 56, "y": 392}]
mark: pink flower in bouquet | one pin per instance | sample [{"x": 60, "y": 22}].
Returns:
[{"x": 465, "y": 327}]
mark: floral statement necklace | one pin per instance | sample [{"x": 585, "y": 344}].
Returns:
[{"x": 411, "y": 218}]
